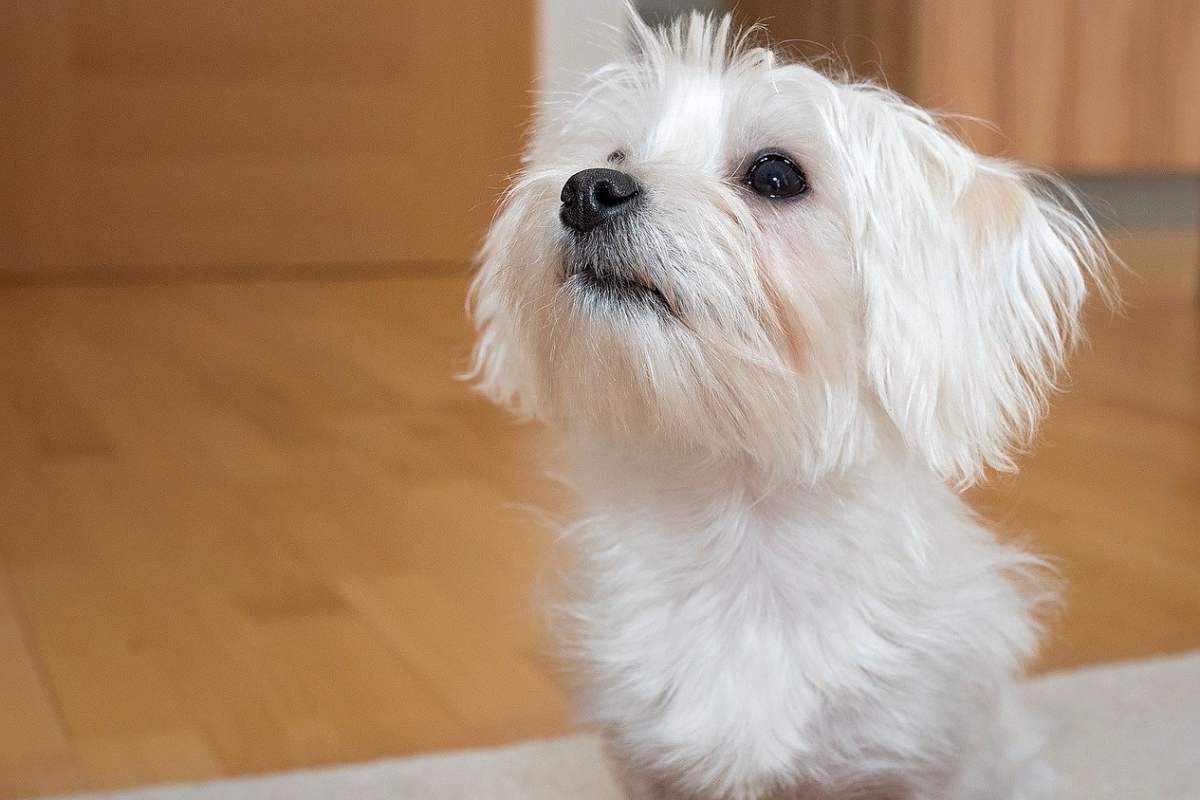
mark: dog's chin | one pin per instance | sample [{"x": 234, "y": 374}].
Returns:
[{"x": 601, "y": 287}]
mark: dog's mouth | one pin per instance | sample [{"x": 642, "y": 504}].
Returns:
[{"x": 605, "y": 285}]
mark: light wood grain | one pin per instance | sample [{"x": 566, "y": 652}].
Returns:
[
  {"x": 32, "y": 734},
  {"x": 275, "y": 131},
  {"x": 117, "y": 761},
  {"x": 1076, "y": 85},
  {"x": 256, "y": 525}
]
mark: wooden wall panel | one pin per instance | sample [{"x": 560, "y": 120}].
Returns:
[
  {"x": 1178, "y": 104},
  {"x": 954, "y": 73},
  {"x": 37, "y": 164},
  {"x": 1104, "y": 54},
  {"x": 1032, "y": 114},
  {"x": 1080, "y": 85},
  {"x": 871, "y": 36},
  {"x": 275, "y": 131}
]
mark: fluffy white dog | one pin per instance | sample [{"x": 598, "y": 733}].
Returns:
[{"x": 779, "y": 320}]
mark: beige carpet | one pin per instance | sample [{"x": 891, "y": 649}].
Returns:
[{"x": 1121, "y": 732}]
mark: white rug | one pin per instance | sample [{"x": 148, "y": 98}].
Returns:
[{"x": 1121, "y": 732}]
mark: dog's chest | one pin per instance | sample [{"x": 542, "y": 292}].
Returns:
[{"x": 740, "y": 653}]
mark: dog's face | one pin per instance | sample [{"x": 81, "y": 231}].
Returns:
[{"x": 715, "y": 252}]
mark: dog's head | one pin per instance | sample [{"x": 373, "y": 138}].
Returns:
[{"x": 713, "y": 251}]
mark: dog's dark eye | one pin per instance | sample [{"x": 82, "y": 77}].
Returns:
[
  {"x": 616, "y": 156},
  {"x": 775, "y": 175}
]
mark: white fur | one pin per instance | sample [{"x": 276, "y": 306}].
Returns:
[{"x": 776, "y": 592}]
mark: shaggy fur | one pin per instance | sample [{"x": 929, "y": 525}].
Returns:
[{"x": 779, "y": 593}]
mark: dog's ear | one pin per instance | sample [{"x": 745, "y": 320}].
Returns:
[
  {"x": 500, "y": 367},
  {"x": 974, "y": 274}
]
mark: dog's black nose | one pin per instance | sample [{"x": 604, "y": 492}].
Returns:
[{"x": 594, "y": 195}]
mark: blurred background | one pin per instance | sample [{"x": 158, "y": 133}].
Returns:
[{"x": 248, "y": 519}]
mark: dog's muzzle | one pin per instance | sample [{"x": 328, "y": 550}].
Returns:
[{"x": 594, "y": 196}]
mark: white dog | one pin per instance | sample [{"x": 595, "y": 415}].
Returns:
[{"x": 776, "y": 317}]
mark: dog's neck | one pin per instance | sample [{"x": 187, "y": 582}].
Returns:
[
  {"x": 653, "y": 479},
  {"x": 676, "y": 526}
]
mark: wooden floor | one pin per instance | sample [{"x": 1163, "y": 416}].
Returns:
[{"x": 249, "y": 526}]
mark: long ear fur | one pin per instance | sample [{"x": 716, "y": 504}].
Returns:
[
  {"x": 974, "y": 272},
  {"x": 499, "y": 368}
]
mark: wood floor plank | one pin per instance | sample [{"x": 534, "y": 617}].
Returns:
[
  {"x": 100, "y": 676},
  {"x": 343, "y": 694},
  {"x": 488, "y": 681},
  {"x": 168, "y": 756},
  {"x": 31, "y": 729},
  {"x": 52, "y": 775}
]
